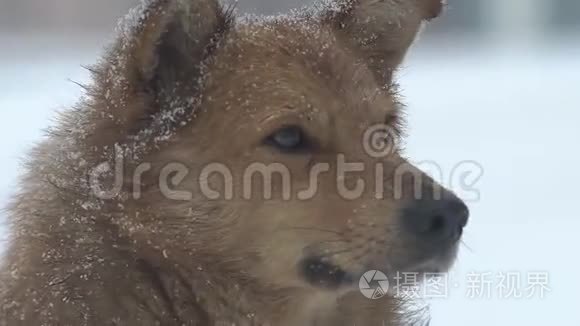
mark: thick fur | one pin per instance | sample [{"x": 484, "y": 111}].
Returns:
[{"x": 186, "y": 83}]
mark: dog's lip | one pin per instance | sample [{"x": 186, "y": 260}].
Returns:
[
  {"x": 436, "y": 263},
  {"x": 320, "y": 272},
  {"x": 439, "y": 263}
]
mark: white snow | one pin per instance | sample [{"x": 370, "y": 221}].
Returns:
[{"x": 515, "y": 111}]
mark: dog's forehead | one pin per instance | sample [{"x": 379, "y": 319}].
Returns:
[{"x": 299, "y": 66}]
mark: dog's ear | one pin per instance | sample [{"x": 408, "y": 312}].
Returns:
[
  {"x": 173, "y": 37},
  {"x": 156, "y": 65},
  {"x": 381, "y": 31}
]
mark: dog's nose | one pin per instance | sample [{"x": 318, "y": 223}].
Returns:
[{"x": 436, "y": 220}]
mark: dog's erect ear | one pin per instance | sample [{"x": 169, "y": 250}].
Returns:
[
  {"x": 174, "y": 36},
  {"x": 381, "y": 31},
  {"x": 156, "y": 66}
]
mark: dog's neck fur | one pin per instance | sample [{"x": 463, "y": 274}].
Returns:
[{"x": 214, "y": 297}]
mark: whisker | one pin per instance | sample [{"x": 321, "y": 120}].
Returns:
[
  {"x": 312, "y": 229},
  {"x": 330, "y": 254},
  {"x": 327, "y": 241},
  {"x": 466, "y": 246}
]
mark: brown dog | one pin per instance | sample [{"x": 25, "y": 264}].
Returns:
[{"x": 183, "y": 105}]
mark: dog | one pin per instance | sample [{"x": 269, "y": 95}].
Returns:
[{"x": 137, "y": 209}]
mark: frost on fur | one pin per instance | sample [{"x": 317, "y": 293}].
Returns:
[{"x": 158, "y": 58}]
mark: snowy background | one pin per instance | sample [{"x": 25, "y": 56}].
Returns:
[{"x": 496, "y": 84}]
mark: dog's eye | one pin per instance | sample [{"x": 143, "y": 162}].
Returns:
[{"x": 288, "y": 139}]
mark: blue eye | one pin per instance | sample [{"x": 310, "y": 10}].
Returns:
[{"x": 288, "y": 139}]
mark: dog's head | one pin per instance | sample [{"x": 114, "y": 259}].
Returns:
[{"x": 273, "y": 144}]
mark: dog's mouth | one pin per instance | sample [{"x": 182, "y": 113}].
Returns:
[
  {"x": 439, "y": 264},
  {"x": 319, "y": 272}
]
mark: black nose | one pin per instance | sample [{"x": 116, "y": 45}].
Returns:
[{"x": 436, "y": 220}]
